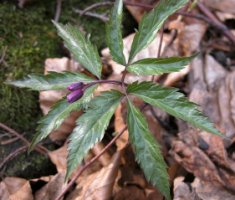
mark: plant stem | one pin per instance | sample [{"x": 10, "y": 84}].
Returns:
[
  {"x": 160, "y": 45},
  {"x": 83, "y": 168},
  {"x": 123, "y": 82},
  {"x": 104, "y": 81}
]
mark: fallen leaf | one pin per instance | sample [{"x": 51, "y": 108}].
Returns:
[
  {"x": 208, "y": 191},
  {"x": 98, "y": 185},
  {"x": 182, "y": 190},
  {"x": 52, "y": 189},
  {"x": 226, "y": 6},
  {"x": 59, "y": 158},
  {"x": 13, "y": 188},
  {"x": 138, "y": 11}
]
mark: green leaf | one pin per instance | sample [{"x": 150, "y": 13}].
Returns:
[
  {"x": 91, "y": 127},
  {"x": 114, "y": 33},
  {"x": 157, "y": 66},
  {"x": 51, "y": 81},
  {"x": 82, "y": 49},
  {"x": 152, "y": 22},
  {"x": 172, "y": 102},
  {"x": 58, "y": 113},
  {"x": 147, "y": 151}
]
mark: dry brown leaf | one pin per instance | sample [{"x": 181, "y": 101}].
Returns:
[
  {"x": 190, "y": 38},
  {"x": 48, "y": 98},
  {"x": 131, "y": 192},
  {"x": 212, "y": 87},
  {"x": 196, "y": 161},
  {"x": 13, "y": 188},
  {"x": 99, "y": 185},
  {"x": 182, "y": 190},
  {"x": 226, "y": 6},
  {"x": 52, "y": 189},
  {"x": 208, "y": 191},
  {"x": 138, "y": 12},
  {"x": 119, "y": 125},
  {"x": 59, "y": 158},
  {"x": 105, "y": 158}
]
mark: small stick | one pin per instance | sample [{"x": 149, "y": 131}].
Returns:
[
  {"x": 13, "y": 154},
  {"x": 38, "y": 148},
  {"x": 9, "y": 141},
  {"x": 3, "y": 54},
  {"x": 216, "y": 22},
  {"x": 91, "y": 14},
  {"x": 58, "y": 10},
  {"x": 94, "y": 6}
]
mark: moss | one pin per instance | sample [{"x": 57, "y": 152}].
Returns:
[{"x": 29, "y": 38}]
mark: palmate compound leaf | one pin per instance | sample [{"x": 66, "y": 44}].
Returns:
[
  {"x": 91, "y": 127},
  {"x": 58, "y": 113},
  {"x": 82, "y": 49},
  {"x": 147, "y": 151},
  {"x": 114, "y": 33},
  {"x": 172, "y": 102},
  {"x": 51, "y": 81},
  {"x": 152, "y": 22},
  {"x": 157, "y": 66}
]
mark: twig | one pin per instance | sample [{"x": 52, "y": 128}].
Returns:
[
  {"x": 83, "y": 168},
  {"x": 13, "y": 154},
  {"x": 9, "y": 141},
  {"x": 91, "y": 14},
  {"x": 173, "y": 37},
  {"x": 38, "y": 148},
  {"x": 3, "y": 54},
  {"x": 142, "y": 5},
  {"x": 94, "y": 6},
  {"x": 58, "y": 10},
  {"x": 216, "y": 22}
]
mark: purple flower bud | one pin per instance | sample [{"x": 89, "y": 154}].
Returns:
[
  {"x": 75, "y": 86},
  {"x": 75, "y": 95}
]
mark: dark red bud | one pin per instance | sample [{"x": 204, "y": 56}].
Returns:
[
  {"x": 75, "y": 95},
  {"x": 75, "y": 86}
]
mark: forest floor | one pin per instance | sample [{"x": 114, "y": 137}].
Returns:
[{"x": 201, "y": 165}]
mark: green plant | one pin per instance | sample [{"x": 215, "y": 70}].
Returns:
[{"x": 91, "y": 125}]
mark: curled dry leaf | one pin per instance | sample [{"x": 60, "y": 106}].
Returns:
[
  {"x": 99, "y": 185},
  {"x": 199, "y": 190},
  {"x": 182, "y": 190},
  {"x": 48, "y": 98},
  {"x": 52, "y": 189},
  {"x": 15, "y": 188},
  {"x": 207, "y": 191},
  {"x": 196, "y": 161}
]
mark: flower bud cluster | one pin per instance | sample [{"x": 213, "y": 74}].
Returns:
[{"x": 77, "y": 91}]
